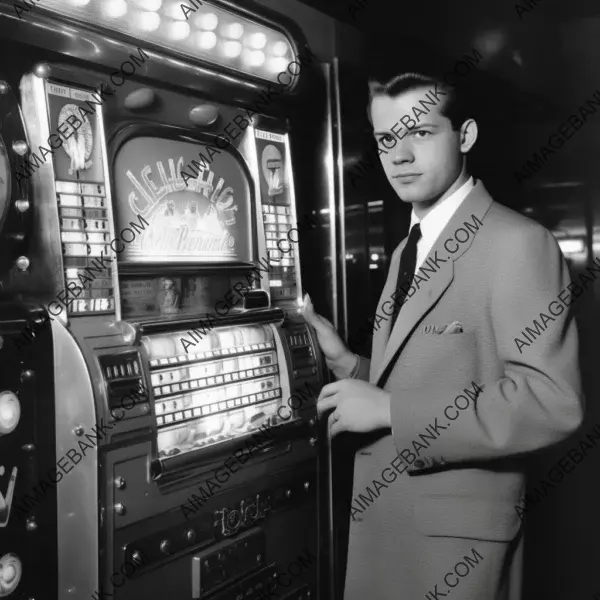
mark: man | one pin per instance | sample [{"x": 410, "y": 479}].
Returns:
[{"x": 459, "y": 387}]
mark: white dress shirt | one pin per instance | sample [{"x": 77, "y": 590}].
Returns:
[{"x": 434, "y": 222}]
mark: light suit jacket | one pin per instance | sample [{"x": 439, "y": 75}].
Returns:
[{"x": 489, "y": 275}]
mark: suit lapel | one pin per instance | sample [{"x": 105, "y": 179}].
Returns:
[
  {"x": 414, "y": 310},
  {"x": 382, "y": 331},
  {"x": 477, "y": 203}
]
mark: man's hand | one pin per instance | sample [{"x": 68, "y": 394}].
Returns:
[
  {"x": 337, "y": 356},
  {"x": 359, "y": 406}
]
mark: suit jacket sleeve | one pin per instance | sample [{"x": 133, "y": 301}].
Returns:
[
  {"x": 364, "y": 365},
  {"x": 537, "y": 401}
]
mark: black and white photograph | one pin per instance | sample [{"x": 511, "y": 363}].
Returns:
[{"x": 298, "y": 300}]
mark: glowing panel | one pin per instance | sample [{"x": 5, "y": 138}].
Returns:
[
  {"x": 193, "y": 212},
  {"x": 155, "y": 18},
  {"x": 10, "y": 574},
  {"x": 228, "y": 386},
  {"x": 10, "y": 412}
]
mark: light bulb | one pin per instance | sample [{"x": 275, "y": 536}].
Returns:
[
  {"x": 277, "y": 65},
  {"x": 232, "y": 49},
  {"x": 279, "y": 49},
  {"x": 177, "y": 30},
  {"x": 232, "y": 30},
  {"x": 257, "y": 41},
  {"x": 208, "y": 21},
  {"x": 253, "y": 58},
  {"x": 206, "y": 40},
  {"x": 114, "y": 9}
]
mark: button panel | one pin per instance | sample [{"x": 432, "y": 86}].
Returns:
[
  {"x": 219, "y": 567},
  {"x": 85, "y": 235},
  {"x": 278, "y": 221},
  {"x": 127, "y": 395}
]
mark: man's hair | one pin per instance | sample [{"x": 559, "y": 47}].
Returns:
[{"x": 454, "y": 105}]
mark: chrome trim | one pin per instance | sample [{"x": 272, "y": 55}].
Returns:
[
  {"x": 48, "y": 252},
  {"x": 341, "y": 214},
  {"x": 35, "y": 106},
  {"x": 284, "y": 375},
  {"x": 328, "y": 159},
  {"x": 111, "y": 217},
  {"x": 290, "y": 172},
  {"x": 333, "y": 555},
  {"x": 77, "y": 493},
  {"x": 247, "y": 149}
]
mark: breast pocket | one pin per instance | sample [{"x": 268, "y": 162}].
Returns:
[{"x": 452, "y": 355}]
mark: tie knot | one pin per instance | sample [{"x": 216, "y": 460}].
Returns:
[{"x": 415, "y": 233}]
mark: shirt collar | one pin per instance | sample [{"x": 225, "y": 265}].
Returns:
[{"x": 436, "y": 219}]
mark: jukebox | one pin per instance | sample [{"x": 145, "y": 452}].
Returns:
[{"x": 158, "y": 429}]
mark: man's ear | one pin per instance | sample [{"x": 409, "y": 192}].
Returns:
[{"x": 468, "y": 135}]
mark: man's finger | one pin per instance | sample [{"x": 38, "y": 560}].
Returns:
[
  {"x": 336, "y": 427},
  {"x": 330, "y": 403},
  {"x": 309, "y": 310},
  {"x": 329, "y": 390},
  {"x": 316, "y": 320}
]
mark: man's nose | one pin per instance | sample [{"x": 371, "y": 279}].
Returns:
[{"x": 402, "y": 154}]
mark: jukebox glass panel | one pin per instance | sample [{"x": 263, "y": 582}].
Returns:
[
  {"x": 195, "y": 198},
  {"x": 228, "y": 387}
]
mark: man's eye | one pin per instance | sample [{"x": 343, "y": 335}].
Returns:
[
  {"x": 386, "y": 138},
  {"x": 425, "y": 133}
]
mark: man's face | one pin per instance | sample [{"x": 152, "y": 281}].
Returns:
[{"x": 424, "y": 158}]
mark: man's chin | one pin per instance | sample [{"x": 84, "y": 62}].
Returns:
[{"x": 408, "y": 193}]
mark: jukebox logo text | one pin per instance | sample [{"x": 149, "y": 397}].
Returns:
[
  {"x": 190, "y": 219},
  {"x": 74, "y": 125}
]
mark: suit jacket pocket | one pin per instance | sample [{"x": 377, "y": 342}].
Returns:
[
  {"x": 451, "y": 360},
  {"x": 466, "y": 517}
]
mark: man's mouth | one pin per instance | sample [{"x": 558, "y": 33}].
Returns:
[{"x": 407, "y": 177}]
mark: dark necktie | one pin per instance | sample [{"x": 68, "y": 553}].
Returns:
[{"x": 406, "y": 272}]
